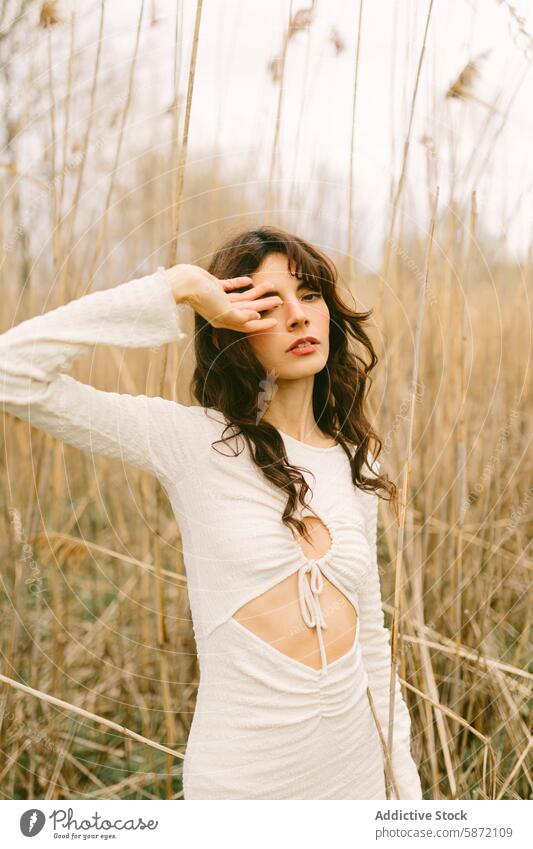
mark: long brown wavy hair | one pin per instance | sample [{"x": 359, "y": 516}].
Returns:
[{"x": 228, "y": 375}]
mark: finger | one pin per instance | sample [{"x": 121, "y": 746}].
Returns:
[
  {"x": 248, "y": 320},
  {"x": 261, "y": 324},
  {"x": 236, "y": 317},
  {"x": 256, "y": 290},
  {"x": 249, "y": 315},
  {"x": 260, "y": 303},
  {"x": 236, "y": 282}
]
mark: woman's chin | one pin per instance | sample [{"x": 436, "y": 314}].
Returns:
[{"x": 300, "y": 369}]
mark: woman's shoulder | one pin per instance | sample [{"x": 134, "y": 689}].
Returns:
[
  {"x": 199, "y": 420},
  {"x": 172, "y": 416}
]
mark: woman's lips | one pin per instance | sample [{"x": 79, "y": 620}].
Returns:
[{"x": 306, "y": 349}]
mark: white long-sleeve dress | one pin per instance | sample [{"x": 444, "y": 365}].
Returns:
[{"x": 266, "y": 726}]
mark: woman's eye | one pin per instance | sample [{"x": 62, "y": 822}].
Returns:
[{"x": 312, "y": 295}]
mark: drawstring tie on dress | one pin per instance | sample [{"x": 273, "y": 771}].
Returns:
[{"x": 308, "y": 592}]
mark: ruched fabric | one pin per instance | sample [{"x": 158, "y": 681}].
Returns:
[{"x": 270, "y": 727}]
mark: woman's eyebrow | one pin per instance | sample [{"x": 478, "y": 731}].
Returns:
[{"x": 301, "y": 285}]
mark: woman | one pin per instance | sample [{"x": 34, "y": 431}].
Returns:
[{"x": 277, "y": 517}]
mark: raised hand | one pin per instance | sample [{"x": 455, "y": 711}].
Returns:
[{"x": 217, "y": 301}]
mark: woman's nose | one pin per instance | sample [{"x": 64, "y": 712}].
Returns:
[{"x": 296, "y": 313}]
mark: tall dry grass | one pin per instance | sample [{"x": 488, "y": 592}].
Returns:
[{"x": 99, "y": 672}]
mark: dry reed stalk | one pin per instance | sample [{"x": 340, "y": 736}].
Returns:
[
  {"x": 393, "y": 61},
  {"x": 516, "y": 727},
  {"x": 68, "y": 99},
  {"x": 50, "y": 790},
  {"x": 57, "y": 472},
  {"x": 439, "y": 708},
  {"x": 73, "y": 211},
  {"x": 129, "y": 783},
  {"x": 477, "y": 164},
  {"x": 487, "y": 547},
  {"x": 162, "y": 634},
  {"x": 403, "y": 171},
  {"x": 173, "y": 247},
  {"x": 12, "y": 758},
  {"x": 482, "y": 669},
  {"x": 424, "y": 664},
  {"x": 172, "y": 258},
  {"x": 292, "y": 203},
  {"x": 75, "y": 652},
  {"x": 93, "y": 746},
  {"x": 406, "y": 477},
  {"x": 146, "y": 624},
  {"x": 56, "y": 213},
  {"x": 127, "y": 732},
  {"x": 467, "y": 654},
  {"x": 520, "y": 763},
  {"x": 118, "y": 149},
  {"x": 352, "y": 148},
  {"x": 461, "y": 493},
  {"x": 178, "y": 52},
  {"x": 163, "y": 639},
  {"x": 76, "y": 543},
  {"x": 21, "y": 175},
  {"x": 521, "y": 22},
  {"x": 76, "y": 762},
  {"x": 280, "y": 73},
  {"x": 299, "y": 22},
  {"x": 390, "y": 778}
]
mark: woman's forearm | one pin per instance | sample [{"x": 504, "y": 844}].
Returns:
[{"x": 35, "y": 353}]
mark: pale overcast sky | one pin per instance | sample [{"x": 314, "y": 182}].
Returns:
[{"x": 235, "y": 98}]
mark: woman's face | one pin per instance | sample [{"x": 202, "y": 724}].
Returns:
[{"x": 302, "y": 313}]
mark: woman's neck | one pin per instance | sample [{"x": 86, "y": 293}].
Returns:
[{"x": 309, "y": 433}]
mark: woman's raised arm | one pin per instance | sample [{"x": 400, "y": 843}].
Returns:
[{"x": 148, "y": 432}]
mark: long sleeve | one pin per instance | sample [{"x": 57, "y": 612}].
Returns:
[
  {"x": 145, "y": 431},
  {"x": 376, "y": 651}
]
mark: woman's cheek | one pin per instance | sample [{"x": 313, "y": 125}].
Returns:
[
  {"x": 321, "y": 321},
  {"x": 264, "y": 345},
  {"x": 324, "y": 316}
]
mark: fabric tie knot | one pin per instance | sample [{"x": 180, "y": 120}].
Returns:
[{"x": 308, "y": 593}]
